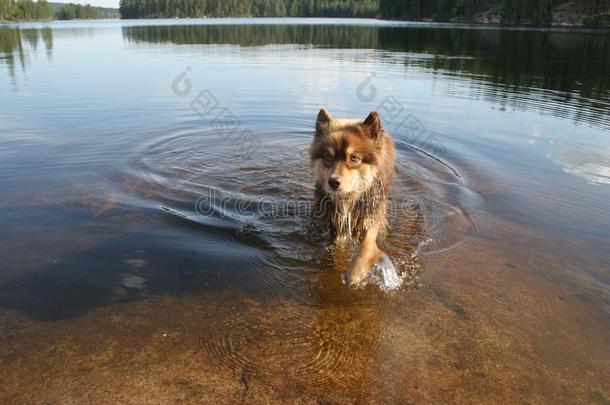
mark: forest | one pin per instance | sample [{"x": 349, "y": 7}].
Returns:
[
  {"x": 535, "y": 12},
  {"x": 512, "y": 12},
  {"x": 248, "y": 8},
  {"x": 72, "y": 11},
  {"x": 23, "y": 10},
  {"x": 28, "y": 10}
]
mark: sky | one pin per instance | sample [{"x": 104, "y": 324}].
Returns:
[{"x": 99, "y": 3}]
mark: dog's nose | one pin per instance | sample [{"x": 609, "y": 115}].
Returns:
[{"x": 334, "y": 182}]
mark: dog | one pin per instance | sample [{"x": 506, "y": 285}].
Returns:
[{"x": 353, "y": 163}]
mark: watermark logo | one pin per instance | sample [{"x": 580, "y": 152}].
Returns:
[
  {"x": 366, "y": 90},
  {"x": 404, "y": 126},
  {"x": 223, "y": 204},
  {"x": 222, "y": 120}
]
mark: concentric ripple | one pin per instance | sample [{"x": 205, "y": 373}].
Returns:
[
  {"x": 292, "y": 324},
  {"x": 267, "y": 192}
]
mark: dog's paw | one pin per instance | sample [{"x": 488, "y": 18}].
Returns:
[{"x": 348, "y": 279}]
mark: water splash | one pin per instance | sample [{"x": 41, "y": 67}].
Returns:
[{"x": 385, "y": 275}]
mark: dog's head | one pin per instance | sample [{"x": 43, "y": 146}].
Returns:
[{"x": 345, "y": 153}]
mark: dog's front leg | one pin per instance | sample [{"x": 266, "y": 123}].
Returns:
[{"x": 367, "y": 255}]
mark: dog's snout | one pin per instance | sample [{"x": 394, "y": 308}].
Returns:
[{"x": 334, "y": 182}]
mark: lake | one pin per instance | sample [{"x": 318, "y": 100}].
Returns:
[{"x": 156, "y": 185}]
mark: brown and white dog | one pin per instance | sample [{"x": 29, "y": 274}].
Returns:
[{"x": 353, "y": 163}]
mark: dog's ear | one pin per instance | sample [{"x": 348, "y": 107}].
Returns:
[
  {"x": 372, "y": 126},
  {"x": 323, "y": 121}
]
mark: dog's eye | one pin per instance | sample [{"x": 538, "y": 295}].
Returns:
[
  {"x": 354, "y": 159},
  {"x": 328, "y": 159}
]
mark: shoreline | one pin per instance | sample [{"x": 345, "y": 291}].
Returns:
[{"x": 456, "y": 21}]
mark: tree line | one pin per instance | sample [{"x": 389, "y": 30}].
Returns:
[
  {"x": 27, "y": 10},
  {"x": 73, "y": 11},
  {"x": 19, "y": 10},
  {"x": 77, "y": 11},
  {"x": 537, "y": 12},
  {"x": 248, "y": 8}
]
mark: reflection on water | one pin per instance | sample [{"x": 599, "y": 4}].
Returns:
[
  {"x": 12, "y": 42},
  {"x": 556, "y": 72},
  {"x": 148, "y": 254}
]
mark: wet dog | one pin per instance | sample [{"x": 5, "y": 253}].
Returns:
[{"x": 353, "y": 163}]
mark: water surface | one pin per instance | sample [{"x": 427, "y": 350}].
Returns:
[{"x": 155, "y": 188}]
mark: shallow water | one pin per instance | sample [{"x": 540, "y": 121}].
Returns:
[{"x": 155, "y": 195}]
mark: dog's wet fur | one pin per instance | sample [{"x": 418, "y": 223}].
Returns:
[{"x": 353, "y": 163}]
